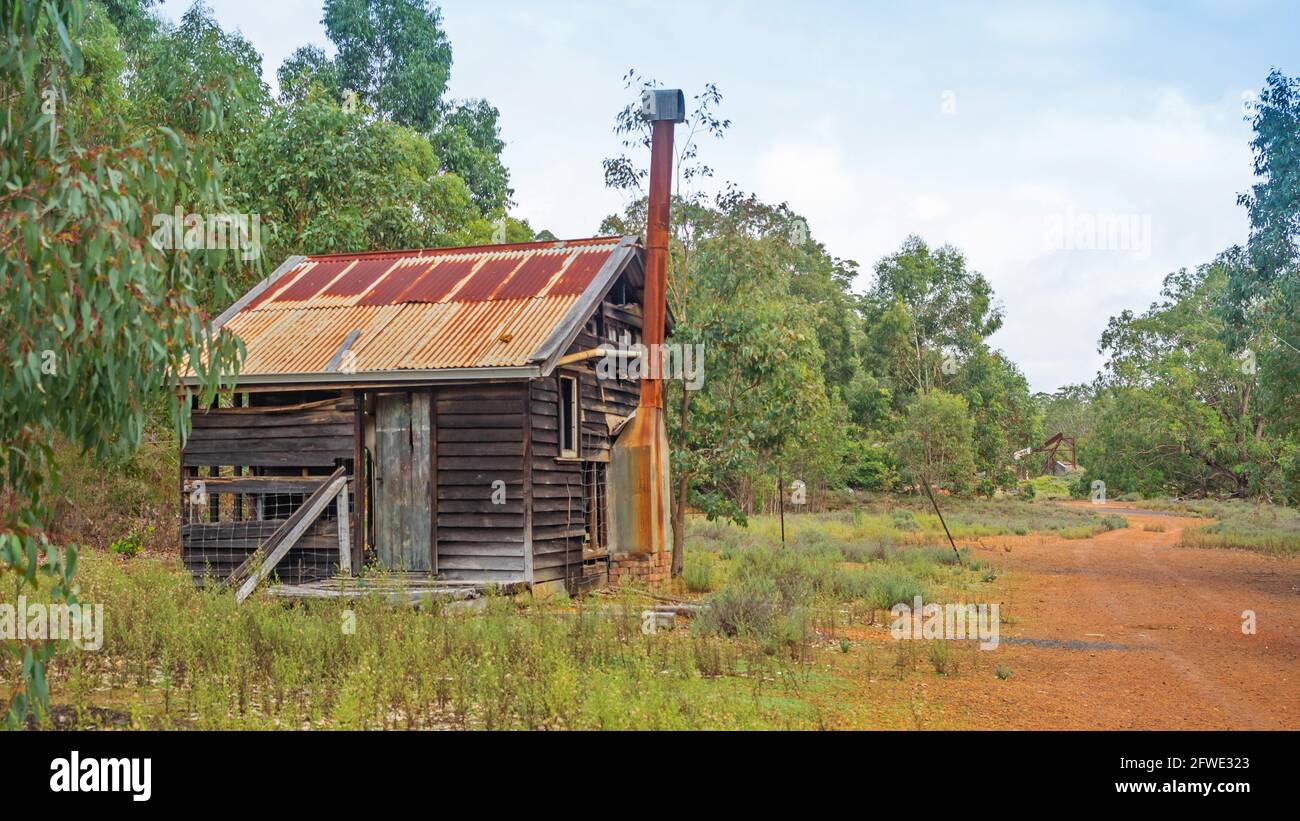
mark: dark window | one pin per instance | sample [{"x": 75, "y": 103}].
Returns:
[{"x": 568, "y": 416}]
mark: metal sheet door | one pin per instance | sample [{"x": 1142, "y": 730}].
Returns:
[{"x": 403, "y": 491}]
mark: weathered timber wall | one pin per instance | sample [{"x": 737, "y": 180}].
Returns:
[
  {"x": 563, "y": 492},
  {"x": 229, "y": 452},
  {"x": 480, "y": 440}
]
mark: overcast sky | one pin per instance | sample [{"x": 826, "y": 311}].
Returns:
[{"x": 1006, "y": 129}]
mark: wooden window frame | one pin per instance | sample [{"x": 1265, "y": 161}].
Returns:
[{"x": 573, "y": 416}]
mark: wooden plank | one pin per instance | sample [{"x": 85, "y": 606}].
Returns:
[
  {"x": 478, "y": 563},
  {"x": 453, "y": 463},
  {"x": 263, "y": 421},
  {"x": 480, "y": 492},
  {"x": 336, "y": 403},
  {"x": 480, "y": 390},
  {"x": 342, "y": 426},
  {"x": 237, "y": 445},
  {"x": 527, "y": 434},
  {"x": 345, "y": 545},
  {"x": 359, "y": 483},
  {"x": 392, "y": 450},
  {"x": 432, "y": 493},
  {"x": 480, "y": 406},
  {"x": 446, "y": 434},
  {"x": 484, "y": 520},
  {"x": 420, "y": 555},
  {"x": 481, "y": 534},
  {"x": 460, "y": 506},
  {"x": 325, "y": 458},
  {"x": 291, "y": 531},
  {"x": 258, "y": 484},
  {"x": 480, "y": 448},
  {"x": 477, "y": 478},
  {"x": 483, "y": 549},
  {"x": 481, "y": 420}
]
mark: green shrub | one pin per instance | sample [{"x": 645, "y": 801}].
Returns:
[
  {"x": 939, "y": 656},
  {"x": 1113, "y": 522},
  {"x": 131, "y": 545},
  {"x": 700, "y": 572},
  {"x": 904, "y": 520},
  {"x": 746, "y": 608}
]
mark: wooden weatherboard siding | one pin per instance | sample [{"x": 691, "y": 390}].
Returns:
[
  {"x": 559, "y": 504},
  {"x": 557, "y": 516},
  {"x": 480, "y": 440},
  {"x": 315, "y": 436}
]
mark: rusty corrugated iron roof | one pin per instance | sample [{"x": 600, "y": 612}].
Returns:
[{"x": 493, "y": 306}]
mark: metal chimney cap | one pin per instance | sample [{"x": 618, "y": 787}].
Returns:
[{"x": 664, "y": 104}]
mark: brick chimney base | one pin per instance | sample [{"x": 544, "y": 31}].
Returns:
[{"x": 649, "y": 570}]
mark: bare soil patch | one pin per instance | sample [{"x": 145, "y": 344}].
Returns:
[{"x": 1173, "y": 617}]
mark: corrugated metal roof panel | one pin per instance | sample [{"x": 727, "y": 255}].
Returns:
[
  {"x": 488, "y": 306},
  {"x": 437, "y": 283}
]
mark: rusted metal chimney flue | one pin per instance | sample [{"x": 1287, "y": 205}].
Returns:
[
  {"x": 664, "y": 109},
  {"x": 639, "y": 514}
]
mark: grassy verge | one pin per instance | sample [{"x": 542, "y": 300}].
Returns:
[
  {"x": 1239, "y": 525},
  {"x": 890, "y": 521},
  {"x": 178, "y": 657}
]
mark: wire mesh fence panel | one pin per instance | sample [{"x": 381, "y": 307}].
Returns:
[{"x": 226, "y": 517}]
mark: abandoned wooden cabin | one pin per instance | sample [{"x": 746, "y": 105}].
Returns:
[{"x": 452, "y": 395}]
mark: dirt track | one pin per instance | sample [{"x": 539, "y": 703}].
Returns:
[{"x": 1176, "y": 615}]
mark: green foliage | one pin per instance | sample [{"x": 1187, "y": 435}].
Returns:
[
  {"x": 200, "y": 81},
  {"x": 329, "y": 181},
  {"x": 469, "y": 144},
  {"x": 934, "y": 442},
  {"x": 94, "y": 317},
  {"x": 1264, "y": 295},
  {"x": 393, "y": 64},
  {"x": 870, "y": 466},
  {"x": 130, "y": 545},
  {"x": 700, "y": 573},
  {"x": 940, "y": 658},
  {"x": 924, "y": 307},
  {"x": 764, "y": 396},
  {"x": 1048, "y": 487},
  {"x": 927, "y": 317},
  {"x": 1081, "y": 486},
  {"x": 1113, "y": 521},
  {"x": 1178, "y": 413},
  {"x": 1201, "y": 393},
  {"x": 1289, "y": 469},
  {"x": 394, "y": 53}
]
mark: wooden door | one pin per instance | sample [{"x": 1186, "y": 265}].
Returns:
[{"x": 403, "y": 492}]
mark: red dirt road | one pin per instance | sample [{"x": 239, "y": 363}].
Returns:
[{"x": 1177, "y": 614}]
